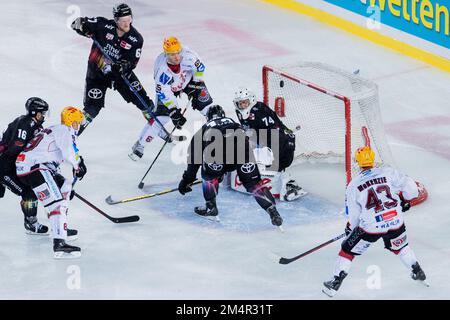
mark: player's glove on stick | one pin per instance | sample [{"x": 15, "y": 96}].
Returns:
[
  {"x": 82, "y": 170},
  {"x": 120, "y": 68},
  {"x": 184, "y": 186},
  {"x": 177, "y": 118},
  {"x": 406, "y": 205}
]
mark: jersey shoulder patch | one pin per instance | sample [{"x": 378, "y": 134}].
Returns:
[{"x": 164, "y": 78}]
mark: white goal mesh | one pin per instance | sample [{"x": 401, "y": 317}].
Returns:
[{"x": 328, "y": 109}]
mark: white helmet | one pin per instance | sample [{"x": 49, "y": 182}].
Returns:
[{"x": 242, "y": 94}]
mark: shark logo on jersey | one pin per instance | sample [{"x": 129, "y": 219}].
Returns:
[
  {"x": 164, "y": 78},
  {"x": 109, "y": 36}
]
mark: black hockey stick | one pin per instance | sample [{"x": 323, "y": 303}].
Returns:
[
  {"x": 115, "y": 220},
  {"x": 131, "y": 87},
  {"x": 141, "y": 183},
  {"x": 289, "y": 260},
  {"x": 110, "y": 201}
]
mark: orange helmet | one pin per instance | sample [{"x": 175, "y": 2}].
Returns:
[
  {"x": 69, "y": 115},
  {"x": 365, "y": 157},
  {"x": 172, "y": 45}
]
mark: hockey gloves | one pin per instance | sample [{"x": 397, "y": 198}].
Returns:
[
  {"x": 177, "y": 118},
  {"x": 79, "y": 26},
  {"x": 120, "y": 68},
  {"x": 406, "y": 205},
  {"x": 193, "y": 87},
  {"x": 184, "y": 187},
  {"x": 82, "y": 170}
]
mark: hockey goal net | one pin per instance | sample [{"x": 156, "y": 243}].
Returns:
[{"x": 332, "y": 112}]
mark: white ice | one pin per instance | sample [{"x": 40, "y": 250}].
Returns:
[{"x": 170, "y": 253}]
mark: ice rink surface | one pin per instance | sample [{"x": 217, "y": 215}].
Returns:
[{"x": 170, "y": 253}]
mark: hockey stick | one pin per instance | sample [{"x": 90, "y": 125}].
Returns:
[
  {"x": 110, "y": 201},
  {"x": 141, "y": 183},
  {"x": 113, "y": 219},
  {"x": 289, "y": 260},
  {"x": 131, "y": 87}
]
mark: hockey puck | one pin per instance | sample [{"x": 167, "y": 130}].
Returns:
[{"x": 281, "y": 84}]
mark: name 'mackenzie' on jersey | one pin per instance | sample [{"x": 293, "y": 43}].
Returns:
[{"x": 373, "y": 202}]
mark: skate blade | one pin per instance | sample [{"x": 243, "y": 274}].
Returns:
[
  {"x": 281, "y": 229},
  {"x": 423, "y": 282},
  {"x": 211, "y": 218},
  {"x": 31, "y": 233},
  {"x": 66, "y": 255},
  {"x": 72, "y": 238},
  {"x": 133, "y": 157},
  {"x": 300, "y": 194},
  {"x": 329, "y": 292}
]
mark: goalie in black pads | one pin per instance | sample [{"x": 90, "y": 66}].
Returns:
[
  {"x": 14, "y": 140},
  {"x": 123, "y": 43},
  {"x": 221, "y": 146},
  {"x": 257, "y": 118}
]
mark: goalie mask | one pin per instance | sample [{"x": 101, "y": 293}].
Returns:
[{"x": 243, "y": 101}]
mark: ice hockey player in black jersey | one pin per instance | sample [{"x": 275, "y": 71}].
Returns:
[
  {"x": 221, "y": 146},
  {"x": 258, "y": 118},
  {"x": 14, "y": 140},
  {"x": 123, "y": 43}
]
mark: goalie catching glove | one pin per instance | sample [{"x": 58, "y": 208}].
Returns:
[
  {"x": 177, "y": 118},
  {"x": 82, "y": 170}
]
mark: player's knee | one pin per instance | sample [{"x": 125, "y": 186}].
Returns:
[{"x": 344, "y": 253}]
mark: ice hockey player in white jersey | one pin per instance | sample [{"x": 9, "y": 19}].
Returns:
[
  {"x": 38, "y": 167},
  {"x": 375, "y": 210},
  {"x": 178, "y": 69}
]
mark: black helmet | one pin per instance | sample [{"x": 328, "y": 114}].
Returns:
[
  {"x": 215, "y": 111},
  {"x": 35, "y": 105},
  {"x": 121, "y": 10}
]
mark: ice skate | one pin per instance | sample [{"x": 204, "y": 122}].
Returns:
[
  {"x": 275, "y": 216},
  {"x": 332, "y": 286},
  {"x": 72, "y": 234},
  {"x": 61, "y": 250},
  {"x": 418, "y": 274},
  {"x": 293, "y": 191},
  {"x": 209, "y": 211},
  {"x": 33, "y": 227},
  {"x": 137, "y": 151}
]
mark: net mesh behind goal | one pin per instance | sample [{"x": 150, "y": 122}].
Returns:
[{"x": 333, "y": 112}]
